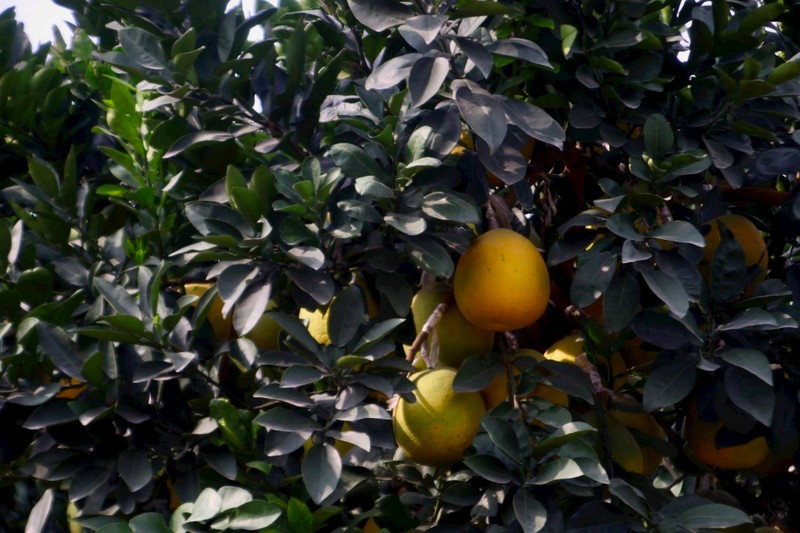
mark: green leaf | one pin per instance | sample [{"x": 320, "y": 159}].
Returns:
[
  {"x": 483, "y": 113},
  {"x": 668, "y": 289},
  {"x": 630, "y": 496},
  {"x": 520, "y": 49},
  {"x": 670, "y": 382},
  {"x": 679, "y": 231},
  {"x": 426, "y": 78},
  {"x": 346, "y": 313},
  {"x": 503, "y": 436},
  {"x": 757, "y": 18},
  {"x": 196, "y": 140},
  {"x": 206, "y": 506},
  {"x": 148, "y": 523},
  {"x": 321, "y": 470},
  {"x": 451, "y": 207},
  {"x": 37, "y": 519},
  {"x": 728, "y": 269},
  {"x": 750, "y": 360},
  {"x": 44, "y": 176},
  {"x": 355, "y": 162},
  {"x": 118, "y": 297},
  {"x": 592, "y": 278},
  {"x": 535, "y": 122},
  {"x": 785, "y": 72},
  {"x": 60, "y": 349},
  {"x": 283, "y": 419},
  {"x": 568, "y": 36},
  {"x": 712, "y": 515},
  {"x": 483, "y": 8},
  {"x": 556, "y": 470},
  {"x": 530, "y": 513},
  {"x": 488, "y": 467},
  {"x": 750, "y": 394},
  {"x": 254, "y": 516},
  {"x": 408, "y": 224},
  {"x": 143, "y": 47},
  {"x": 379, "y": 15},
  {"x": 658, "y": 136},
  {"x": 621, "y": 224},
  {"x": 299, "y": 516},
  {"x": 134, "y": 468},
  {"x": 620, "y": 302},
  {"x": 475, "y": 374},
  {"x": 429, "y": 255}
]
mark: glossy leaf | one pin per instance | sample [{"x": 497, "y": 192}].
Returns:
[{"x": 321, "y": 469}]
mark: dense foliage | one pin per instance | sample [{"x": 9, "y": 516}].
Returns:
[{"x": 338, "y": 162}]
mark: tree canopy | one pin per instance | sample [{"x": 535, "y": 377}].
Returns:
[{"x": 179, "y": 201}]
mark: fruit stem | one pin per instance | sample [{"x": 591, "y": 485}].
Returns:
[{"x": 425, "y": 331}]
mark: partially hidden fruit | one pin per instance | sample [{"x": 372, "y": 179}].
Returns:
[
  {"x": 265, "y": 333},
  {"x": 71, "y": 388},
  {"x": 457, "y": 339},
  {"x": 318, "y": 318},
  {"x": 501, "y": 282},
  {"x": 221, "y": 326},
  {"x": 437, "y": 428},
  {"x": 713, "y": 444},
  {"x": 571, "y": 350},
  {"x": 748, "y": 236},
  {"x": 497, "y": 391},
  {"x": 645, "y": 424}
]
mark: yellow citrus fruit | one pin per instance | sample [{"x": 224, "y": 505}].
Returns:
[
  {"x": 501, "y": 282},
  {"x": 457, "y": 338},
  {"x": 571, "y": 348},
  {"x": 744, "y": 231},
  {"x": 648, "y": 425},
  {"x": 72, "y": 388},
  {"x": 497, "y": 391},
  {"x": 702, "y": 436},
  {"x": 437, "y": 428},
  {"x": 265, "y": 333},
  {"x": 221, "y": 326},
  {"x": 636, "y": 356},
  {"x": 567, "y": 350},
  {"x": 318, "y": 319},
  {"x": 370, "y": 526}
]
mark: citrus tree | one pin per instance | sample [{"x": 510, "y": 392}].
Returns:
[{"x": 384, "y": 265}]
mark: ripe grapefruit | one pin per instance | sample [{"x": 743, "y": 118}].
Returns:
[
  {"x": 715, "y": 445},
  {"x": 437, "y": 428},
  {"x": 744, "y": 231},
  {"x": 501, "y": 282},
  {"x": 457, "y": 338}
]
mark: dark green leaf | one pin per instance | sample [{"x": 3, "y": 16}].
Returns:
[
  {"x": 488, "y": 467},
  {"x": 87, "y": 480},
  {"x": 592, "y": 278},
  {"x": 134, "y": 468},
  {"x": 670, "y": 381},
  {"x": 658, "y": 136},
  {"x": 503, "y": 436},
  {"x": 44, "y": 176},
  {"x": 661, "y": 330},
  {"x": 408, "y": 224},
  {"x": 785, "y": 72},
  {"x": 557, "y": 469},
  {"x": 679, "y": 231},
  {"x": 254, "y": 516},
  {"x": 195, "y": 140},
  {"x": 429, "y": 255},
  {"x": 520, "y": 49},
  {"x": 426, "y": 78},
  {"x": 530, "y": 513},
  {"x": 310, "y": 256},
  {"x": 321, "y": 470},
  {"x": 668, "y": 289},
  {"x": 728, "y": 270},
  {"x": 355, "y": 162},
  {"x": 620, "y": 303},
  {"x": 475, "y": 374},
  {"x": 283, "y": 419},
  {"x": 621, "y": 224},
  {"x": 534, "y": 122},
  {"x": 143, "y": 47},
  {"x": 346, "y": 313},
  {"x": 712, "y": 515},
  {"x": 151, "y": 522},
  {"x": 379, "y": 15},
  {"x": 482, "y": 112},
  {"x": 60, "y": 349},
  {"x": 750, "y": 393},
  {"x": 451, "y": 207},
  {"x": 630, "y": 496}
]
